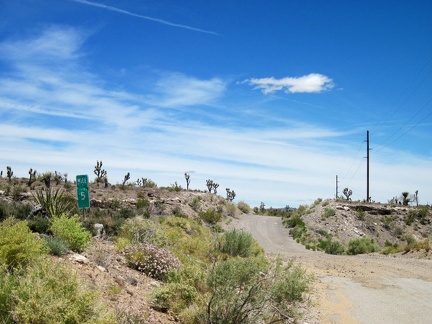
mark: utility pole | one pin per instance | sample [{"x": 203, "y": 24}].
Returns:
[
  {"x": 367, "y": 166},
  {"x": 337, "y": 192}
]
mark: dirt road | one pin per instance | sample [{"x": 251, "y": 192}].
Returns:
[{"x": 353, "y": 289}]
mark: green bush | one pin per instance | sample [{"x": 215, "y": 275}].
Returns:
[
  {"x": 328, "y": 212},
  {"x": 51, "y": 293},
  {"x": 245, "y": 291},
  {"x": 294, "y": 222},
  {"x": 244, "y": 207},
  {"x": 7, "y": 285},
  {"x": 361, "y": 246},
  {"x": 196, "y": 203},
  {"x": 390, "y": 248},
  {"x": 331, "y": 247},
  {"x": 71, "y": 231},
  {"x": 18, "y": 245},
  {"x": 174, "y": 296},
  {"x": 210, "y": 216},
  {"x": 238, "y": 243},
  {"x": 57, "y": 246},
  {"x": 153, "y": 261},
  {"x": 140, "y": 231}
]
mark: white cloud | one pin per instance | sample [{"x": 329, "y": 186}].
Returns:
[
  {"x": 177, "y": 90},
  {"x": 311, "y": 83}
]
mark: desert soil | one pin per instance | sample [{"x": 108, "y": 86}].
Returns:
[{"x": 352, "y": 289}]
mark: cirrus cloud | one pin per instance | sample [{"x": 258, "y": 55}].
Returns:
[{"x": 311, "y": 83}]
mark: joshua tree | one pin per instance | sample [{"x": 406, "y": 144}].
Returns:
[
  {"x": 230, "y": 194},
  {"x": 46, "y": 178},
  {"x": 215, "y": 186},
  {"x": 212, "y": 186},
  {"x": 347, "y": 193},
  {"x": 126, "y": 178},
  {"x": 209, "y": 184},
  {"x": 57, "y": 177},
  {"x": 32, "y": 177},
  {"x": 187, "y": 177},
  {"x": 99, "y": 172},
  {"x": 405, "y": 198},
  {"x": 9, "y": 172}
]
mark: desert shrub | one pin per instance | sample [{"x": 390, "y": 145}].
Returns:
[
  {"x": 238, "y": 243},
  {"x": 196, "y": 203},
  {"x": 18, "y": 245},
  {"x": 244, "y": 207},
  {"x": 324, "y": 233},
  {"x": 361, "y": 246},
  {"x": 49, "y": 292},
  {"x": 39, "y": 224},
  {"x": 174, "y": 296},
  {"x": 390, "y": 248},
  {"x": 142, "y": 230},
  {"x": 71, "y": 231},
  {"x": 210, "y": 216},
  {"x": 126, "y": 212},
  {"x": 420, "y": 213},
  {"x": 317, "y": 202},
  {"x": 230, "y": 209},
  {"x": 328, "y": 212},
  {"x": 154, "y": 261},
  {"x": 294, "y": 222},
  {"x": 187, "y": 239},
  {"x": 245, "y": 291},
  {"x": 57, "y": 246},
  {"x": 7, "y": 285},
  {"x": 331, "y": 247},
  {"x": 14, "y": 209},
  {"x": 54, "y": 201},
  {"x": 142, "y": 203}
]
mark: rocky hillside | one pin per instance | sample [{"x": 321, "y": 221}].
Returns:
[{"x": 387, "y": 224}]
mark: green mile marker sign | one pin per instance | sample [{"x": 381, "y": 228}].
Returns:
[{"x": 83, "y": 191}]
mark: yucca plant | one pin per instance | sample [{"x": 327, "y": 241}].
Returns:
[{"x": 54, "y": 201}]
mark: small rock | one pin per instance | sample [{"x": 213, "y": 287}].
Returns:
[
  {"x": 101, "y": 269},
  {"x": 79, "y": 258}
]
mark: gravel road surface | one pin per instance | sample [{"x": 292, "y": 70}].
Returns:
[{"x": 352, "y": 289}]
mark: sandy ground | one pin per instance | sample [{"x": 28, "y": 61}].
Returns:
[{"x": 352, "y": 289}]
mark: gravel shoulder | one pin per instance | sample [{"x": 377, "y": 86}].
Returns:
[{"x": 352, "y": 289}]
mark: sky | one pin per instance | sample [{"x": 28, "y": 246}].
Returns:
[{"x": 272, "y": 99}]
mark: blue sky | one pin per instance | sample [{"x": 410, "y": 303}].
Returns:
[{"x": 269, "y": 98}]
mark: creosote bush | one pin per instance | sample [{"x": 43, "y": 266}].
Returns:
[
  {"x": 49, "y": 292},
  {"x": 244, "y": 207},
  {"x": 154, "y": 261},
  {"x": 71, "y": 231},
  {"x": 246, "y": 291},
  {"x": 210, "y": 216},
  {"x": 238, "y": 243},
  {"x": 18, "y": 245},
  {"x": 361, "y": 246}
]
